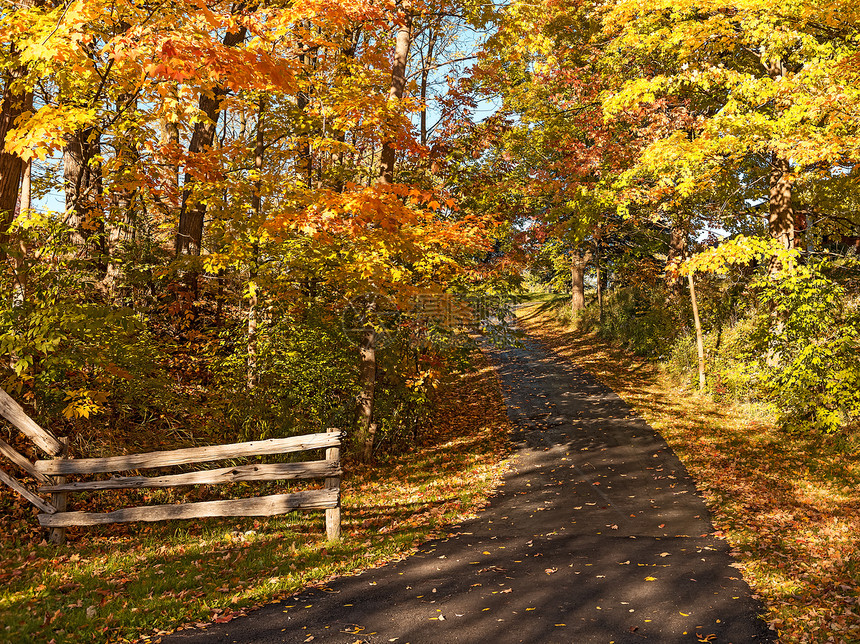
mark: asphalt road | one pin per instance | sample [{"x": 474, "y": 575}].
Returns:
[{"x": 598, "y": 535}]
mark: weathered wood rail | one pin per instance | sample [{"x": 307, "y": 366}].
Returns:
[{"x": 51, "y": 474}]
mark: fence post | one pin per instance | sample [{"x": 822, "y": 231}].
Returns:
[
  {"x": 59, "y": 500},
  {"x": 332, "y": 515}
]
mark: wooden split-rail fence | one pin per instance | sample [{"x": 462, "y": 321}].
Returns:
[{"x": 52, "y": 476}]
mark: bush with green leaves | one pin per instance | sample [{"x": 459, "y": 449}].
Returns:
[
  {"x": 307, "y": 376},
  {"x": 306, "y": 373},
  {"x": 70, "y": 354},
  {"x": 790, "y": 340},
  {"x": 636, "y": 318},
  {"x": 733, "y": 369},
  {"x": 810, "y": 333}
]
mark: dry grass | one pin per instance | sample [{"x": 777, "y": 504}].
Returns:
[{"x": 789, "y": 505}]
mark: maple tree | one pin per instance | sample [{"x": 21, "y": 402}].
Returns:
[
  {"x": 264, "y": 165},
  {"x": 270, "y": 148},
  {"x": 735, "y": 100}
]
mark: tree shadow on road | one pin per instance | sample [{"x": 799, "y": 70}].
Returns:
[{"x": 789, "y": 503}]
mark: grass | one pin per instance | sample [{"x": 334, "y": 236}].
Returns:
[
  {"x": 136, "y": 582},
  {"x": 788, "y": 504}
]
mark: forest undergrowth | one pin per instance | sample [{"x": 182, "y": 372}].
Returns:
[{"x": 788, "y": 503}]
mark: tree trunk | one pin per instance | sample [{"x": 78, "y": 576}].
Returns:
[
  {"x": 252, "y": 332},
  {"x": 700, "y": 342},
  {"x": 82, "y": 177},
  {"x": 395, "y": 93},
  {"x": 347, "y": 55},
  {"x": 781, "y": 227},
  {"x": 14, "y": 103},
  {"x": 121, "y": 227},
  {"x": 599, "y": 280},
  {"x": 22, "y": 268},
  {"x": 169, "y": 172},
  {"x": 780, "y": 211},
  {"x": 578, "y": 261},
  {"x": 257, "y": 205},
  {"x": 304, "y": 157},
  {"x": 122, "y": 222},
  {"x": 367, "y": 349},
  {"x": 11, "y": 166},
  {"x": 367, "y": 377},
  {"x": 192, "y": 213}
]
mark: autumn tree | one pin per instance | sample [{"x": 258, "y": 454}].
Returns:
[{"x": 729, "y": 102}]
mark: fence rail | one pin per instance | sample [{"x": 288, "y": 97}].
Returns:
[
  {"x": 43, "y": 439},
  {"x": 258, "y": 506},
  {"x": 256, "y": 472},
  {"x": 188, "y": 455},
  {"x": 51, "y": 475}
]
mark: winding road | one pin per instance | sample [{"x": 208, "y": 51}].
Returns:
[{"x": 597, "y": 535}]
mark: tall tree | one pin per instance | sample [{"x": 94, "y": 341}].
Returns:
[
  {"x": 84, "y": 187},
  {"x": 728, "y": 101},
  {"x": 367, "y": 348}
]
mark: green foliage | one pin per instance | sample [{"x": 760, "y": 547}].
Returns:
[
  {"x": 550, "y": 267},
  {"x": 407, "y": 379},
  {"x": 416, "y": 352},
  {"x": 811, "y": 338},
  {"x": 788, "y": 341},
  {"x": 738, "y": 251},
  {"x": 733, "y": 371},
  {"x": 637, "y": 319},
  {"x": 69, "y": 353},
  {"x": 306, "y": 376}
]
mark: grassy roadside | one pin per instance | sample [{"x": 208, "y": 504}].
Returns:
[
  {"x": 789, "y": 505},
  {"x": 124, "y": 583}
]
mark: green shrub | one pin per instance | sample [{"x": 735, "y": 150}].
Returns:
[
  {"x": 811, "y": 337},
  {"x": 794, "y": 346},
  {"x": 734, "y": 370},
  {"x": 306, "y": 377},
  {"x": 791, "y": 342},
  {"x": 638, "y": 319}
]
